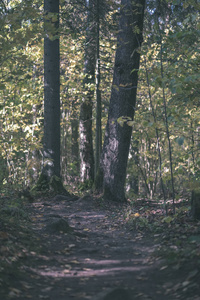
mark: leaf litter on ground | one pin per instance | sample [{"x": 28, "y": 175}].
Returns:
[{"x": 176, "y": 239}]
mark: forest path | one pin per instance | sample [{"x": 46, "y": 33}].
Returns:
[{"x": 99, "y": 259}]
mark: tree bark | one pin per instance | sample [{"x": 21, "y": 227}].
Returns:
[
  {"x": 134, "y": 178},
  {"x": 85, "y": 127},
  {"x": 51, "y": 90},
  {"x": 195, "y": 204},
  {"x": 98, "y": 140},
  {"x": 123, "y": 98},
  {"x": 74, "y": 143}
]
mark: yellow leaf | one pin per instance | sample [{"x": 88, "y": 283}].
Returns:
[
  {"x": 136, "y": 215},
  {"x": 130, "y": 123}
]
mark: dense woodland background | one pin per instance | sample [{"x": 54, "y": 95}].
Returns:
[{"x": 164, "y": 159}]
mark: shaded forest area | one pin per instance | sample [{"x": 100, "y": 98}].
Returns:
[{"x": 99, "y": 149}]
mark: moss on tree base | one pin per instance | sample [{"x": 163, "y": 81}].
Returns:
[{"x": 46, "y": 184}]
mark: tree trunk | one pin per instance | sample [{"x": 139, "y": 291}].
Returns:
[
  {"x": 3, "y": 170},
  {"x": 75, "y": 144},
  {"x": 85, "y": 127},
  {"x": 134, "y": 177},
  {"x": 195, "y": 204},
  {"x": 51, "y": 91},
  {"x": 123, "y": 98},
  {"x": 98, "y": 141}
]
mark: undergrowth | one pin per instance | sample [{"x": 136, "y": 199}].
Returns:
[
  {"x": 177, "y": 236},
  {"x": 16, "y": 236}
]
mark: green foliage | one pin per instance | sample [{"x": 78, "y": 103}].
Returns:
[
  {"x": 21, "y": 88},
  {"x": 13, "y": 210},
  {"x": 176, "y": 236},
  {"x": 85, "y": 186},
  {"x": 180, "y": 47},
  {"x": 137, "y": 222},
  {"x": 21, "y": 93}
]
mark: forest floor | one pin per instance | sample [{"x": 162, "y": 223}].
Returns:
[{"x": 64, "y": 248}]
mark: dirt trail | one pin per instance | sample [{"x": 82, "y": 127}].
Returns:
[{"x": 98, "y": 256}]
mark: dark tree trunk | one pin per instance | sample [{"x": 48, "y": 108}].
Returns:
[
  {"x": 195, "y": 205},
  {"x": 51, "y": 90},
  {"x": 64, "y": 143},
  {"x": 98, "y": 141},
  {"x": 123, "y": 98},
  {"x": 85, "y": 128},
  {"x": 75, "y": 144},
  {"x": 3, "y": 170},
  {"x": 134, "y": 180}
]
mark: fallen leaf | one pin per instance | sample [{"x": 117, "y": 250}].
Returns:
[
  {"x": 141, "y": 278},
  {"x": 136, "y": 215},
  {"x": 185, "y": 283},
  {"x": 192, "y": 274},
  {"x": 68, "y": 266},
  {"x": 47, "y": 289},
  {"x": 163, "y": 268},
  {"x": 14, "y": 292},
  {"x": 75, "y": 262},
  {"x": 3, "y": 235},
  {"x": 66, "y": 271},
  {"x": 26, "y": 285}
]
